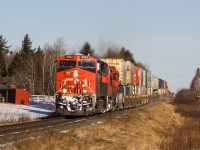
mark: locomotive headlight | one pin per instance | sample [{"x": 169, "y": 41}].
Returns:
[
  {"x": 75, "y": 73},
  {"x": 84, "y": 90},
  {"x": 64, "y": 90}
]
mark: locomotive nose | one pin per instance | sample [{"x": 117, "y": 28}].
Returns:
[{"x": 75, "y": 73}]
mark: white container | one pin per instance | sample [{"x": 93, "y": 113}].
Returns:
[
  {"x": 136, "y": 90},
  {"x": 155, "y": 82},
  {"x": 120, "y": 65},
  {"x": 160, "y": 91},
  {"x": 129, "y": 73},
  {"x": 149, "y": 80},
  {"x": 149, "y": 91},
  {"x": 141, "y": 77},
  {"x": 144, "y": 78}
]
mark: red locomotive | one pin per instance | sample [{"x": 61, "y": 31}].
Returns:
[{"x": 85, "y": 85}]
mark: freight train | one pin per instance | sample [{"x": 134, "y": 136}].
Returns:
[{"x": 87, "y": 85}]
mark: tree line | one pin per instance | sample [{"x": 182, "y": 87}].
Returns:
[{"x": 34, "y": 68}]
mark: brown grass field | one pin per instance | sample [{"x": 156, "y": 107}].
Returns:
[
  {"x": 187, "y": 136},
  {"x": 163, "y": 125}
]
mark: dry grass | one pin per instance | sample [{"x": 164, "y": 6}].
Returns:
[
  {"x": 21, "y": 119},
  {"x": 135, "y": 129},
  {"x": 187, "y": 136},
  {"x": 165, "y": 126},
  {"x": 185, "y": 96}
]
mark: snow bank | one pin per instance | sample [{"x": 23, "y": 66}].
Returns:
[{"x": 13, "y": 112}]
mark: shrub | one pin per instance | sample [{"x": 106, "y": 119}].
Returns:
[{"x": 185, "y": 96}]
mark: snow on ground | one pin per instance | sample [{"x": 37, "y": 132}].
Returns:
[
  {"x": 36, "y": 109},
  {"x": 97, "y": 123}
]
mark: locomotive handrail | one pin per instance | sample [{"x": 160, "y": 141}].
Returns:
[
  {"x": 71, "y": 79},
  {"x": 65, "y": 80}
]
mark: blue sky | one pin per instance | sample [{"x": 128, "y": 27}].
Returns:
[{"x": 165, "y": 35}]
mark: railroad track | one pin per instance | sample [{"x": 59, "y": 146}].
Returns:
[
  {"x": 52, "y": 122},
  {"x": 23, "y": 127}
]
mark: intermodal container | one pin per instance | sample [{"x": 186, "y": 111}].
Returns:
[
  {"x": 149, "y": 76},
  {"x": 160, "y": 91},
  {"x": 149, "y": 91},
  {"x": 136, "y": 75},
  {"x": 149, "y": 83},
  {"x": 144, "y": 78},
  {"x": 136, "y": 90},
  {"x": 120, "y": 65},
  {"x": 141, "y": 77},
  {"x": 129, "y": 73},
  {"x": 166, "y": 87},
  {"x": 160, "y": 82},
  {"x": 142, "y": 83},
  {"x": 155, "y": 82}
]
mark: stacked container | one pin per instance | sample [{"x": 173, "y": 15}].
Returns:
[
  {"x": 160, "y": 86},
  {"x": 142, "y": 82},
  {"x": 166, "y": 88},
  {"x": 129, "y": 72},
  {"x": 129, "y": 76},
  {"x": 155, "y": 85},
  {"x": 120, "y": 65},
  {"x": 136, "y": 79},
  {"x": 149, "y": 84}
]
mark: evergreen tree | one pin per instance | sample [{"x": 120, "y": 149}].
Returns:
[
  {"x": 27, "y": 46},
  {"x": 20, "y": 59},
  {"x": 4, "y": 49},
  {"x": 2, "y": 64},
  {"x": 39, "y": 50},
  {"x": 39, "y": 62},
  {"x": 86, "y": 49},
  {"x": 16, "y": 64},
  {"x": 195, "y": 85}
]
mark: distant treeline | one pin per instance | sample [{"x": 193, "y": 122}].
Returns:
[{"x": 34, "y": 68}]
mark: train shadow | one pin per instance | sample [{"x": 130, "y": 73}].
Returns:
[
  {"x": 43, "y": 105},
  {"x": 37, "y": 111}
]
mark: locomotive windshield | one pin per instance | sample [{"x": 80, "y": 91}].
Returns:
[
  {"x": 104, "y": 68},
  {"x": 66, "y": 64},
  {"x": 115, "y": 76},
  {"x": 87, "y": 65}
]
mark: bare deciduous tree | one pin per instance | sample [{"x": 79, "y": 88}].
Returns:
[{"x": 35, "y": 70}]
